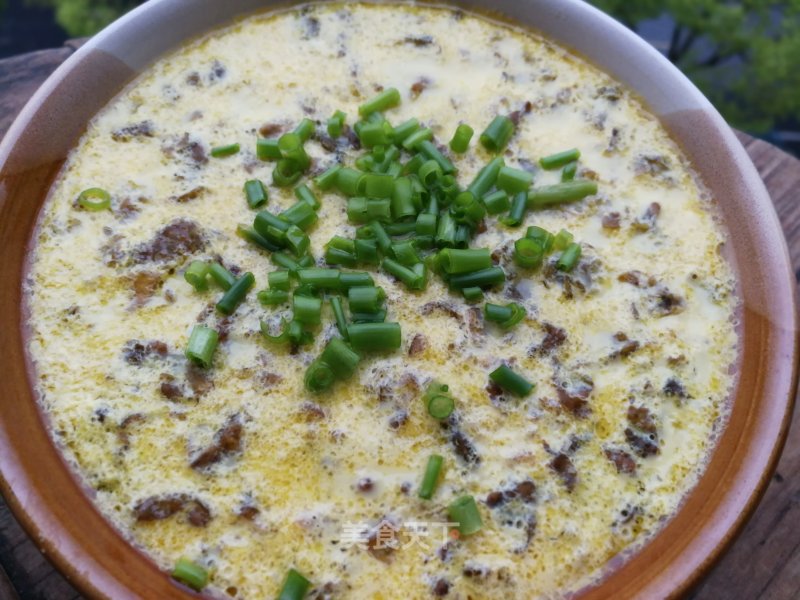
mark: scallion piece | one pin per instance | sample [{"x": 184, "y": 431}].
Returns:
[
  {"x": 337, "y": 256},
  {"x": 544, "y": 237},
  {"x": 94, "y": 199},
  {"x": 510, "y": 381},
  {"x": 381, "y": 237},
  {"x": 338, "y": 313},
  {"x": 496, "y": 136},
  {"x": 286, "y": 173},
  {"x": 196, "y": 275},
  {"x": 455, "y": 262},
  {"x": 291, "y": 147},
  {"x": 297, "y": 240},
  {"x": 327, "y": 179},
  {"x": 413, "y": 279},
  {"x": 486, "y": 177},
  {"x": 413, "y": 164},
  {"x": 569, "y": 258},
  {"x": 388, "y": 98},
  {"x": 304, "y": 129},
  {"x": 406, "y": 253},
  {"x": 519, "y": 207},
  {"x": 336, "y": 124},
  {"x": 303, "y": 193},
  {"x": 348, "y": 280},
  {"x": 365, "y": 299},
  {"x": 497, "y": 202},
  {"x": 375, "y": 134},
  {"x": 319, "y": 377},
  {"x": 563, "y": 239},
  {"x": 556, "y": 161},
  {"x": 426, "y": 224},
  {"x": 202, "y": 343},
  {"x": 376, "y": 317},
  {"x": 472, "y": 295},
  {"x": 429, "y": 149},
  {"x": 191, "y": 574},
  {"x": 221, "y": 276},
  {"x": 483, "y": 278},
  {"x": 461, "y": 138},
  {"x": 320, "y": 279},
  {"x": 367, "y": 251},
  {"x": 347, "y": 181},
  {"x": 464, "y": 511},
  {"x": 441, "y": 406},
  {"x": 285, "y": 261},
  {"x": 431, "y": 478},
  {"x": 403, "y": 199},
  {"x": 528, "y": 253},
  {"x": 341, "y": 358},
  {"x": 307, "y": 309},
  {"x": 397, "y": 229},
  {"x": 405, "y": 129},
  {"x": 301, "y": 213},
  {"x": 225, "y": 151},
  {"x": 374, "y": 336},
  {"x": 256, "y": 193},
  {"x": 467, "y": 210},
  {"x": 429, "y": 173},
  {"x": 569, "y": 171},
  {"x": 279, "y": 280},
  {"x": 291, "y": 333},
  {"x": 419, "y": 136},
  {"x": 267, "y": 149},
  {"x": 446, "y": 231},
  {"x": 505, "y": 316},
  {"x": 569, "y": 191},
  {"x": 236, "y": 294},
  {"x": 273, "y": 297},
  {"x": 513, "y": 180},
  {"x": 378, "y": 186}
]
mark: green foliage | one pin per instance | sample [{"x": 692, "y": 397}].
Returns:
[
  {"x": 82, "y": 18},
  {"x": 744, "y": 55}
]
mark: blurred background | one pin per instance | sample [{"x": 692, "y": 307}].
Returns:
[{"x": 745, "y": 55}]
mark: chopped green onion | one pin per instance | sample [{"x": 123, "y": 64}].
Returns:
[
  {"x": 341, "y": 358},
  {"x": 94, "y": 199},
  {"x": 426, "y": 224},
  {"x": 419, "y": 136},
  {"x": 569, "y": 191},
  {"x": 446, "y": 231},
  {"x": 292, "y": 332},
  {"x": 467, "y": 210},
  {"x": 570, "y": 257},
  {"x": 431, "y": 478},
  {"x": 381, "y": 237},
  {"x": 202, "y": 343},
  {"x": 256, "y": 193},
  {"x": 429, "y": 173},
  {"x": 291, "y": 147},
  {"x": 225, "y": 151},
  {"x": 413, "y": 279},
  {"x": 196, "y": 275},
  {"x": 472, "y": 295},
  {"x": 327, "y": 180},
  {"x": 413, "y": 164},
  {"x": 569, "y": 171},
  {"x": 337, "y": 256},
  {"x": 365, "y": 299},
  {"x": 544, "y": 237},
  {"x": 462, "y": 237},
  {"x": 363, "y": 210},
  {"x": 378, "y": 186},
  {"x": 441, "y": 406},
  {"x": 237, "y": 292},
  {"x": 303, "y": 193},
  {"x": 285, "y": 261},
  {"x": 376, "y": 317},
  {"x": 496, "y": 136},
  {"x": 397, "y": 229},
  {"x": 367, "y": 251},
  {"x": 273, "y": 297},
  {"x": 505, "y": 316},
  {"x": 319, "y": 377},
  {"x": 307, "y": 309},
  {"x": 455, "y": 262},
  {"x": 510, "y": 381},
  {"x": 375, "y": 134},
  {"x": 402, "y": 199},
  {"x": 348, "y": 280},
  {"x": 519, "y": 207},
  {"x": 556, "y": 161},
  {"x": 563, "y": 239},
  {"x": 297, "y": 240},
  {"x": 305, "y": 129},
  {"x": 496, "y": 202},
  {"x": 348, "y": 180},
  {"x": 486, "y": 177},
  {"x": 279, "y": 280},
  {"x": 406, "y": 253},
  {"x": 301, "y": 214},
  {"x": 402, "y": 131},
  {"x": 295, "y": 586},
  {"x": 221, "y": 276},
  {"x": 338, "y": 313},
  {"x": 191, "y": 574},
  {"x": 483, "y": 278},
  {"x": 464, "y": 511},
  {"x": 374, "y": 336},
  {"x": 461, "y": 138},
  {"x": 429, "y": 149},
  {"x": 388, "y": 98},
  {"x": 286, "y": 173},
  {"x": 267, "y": 149},
  {"x": 513, "y": 180},
  {"x": 320, "y": 279},
  {"x": 528, "y": 253},
  {"x": 336, "y": 124}
]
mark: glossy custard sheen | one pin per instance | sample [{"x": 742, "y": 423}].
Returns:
[{"x": 631, "y": 351}]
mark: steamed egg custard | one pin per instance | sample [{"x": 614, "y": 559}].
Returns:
[{"x": 381, "y": 301}]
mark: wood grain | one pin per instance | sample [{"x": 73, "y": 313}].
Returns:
[{"x": 763, "y": 563}]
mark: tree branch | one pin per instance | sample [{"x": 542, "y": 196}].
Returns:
[{"x": 673, "y": 42}]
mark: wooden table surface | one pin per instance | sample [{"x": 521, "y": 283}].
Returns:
[{"x": 763, "y": 563}]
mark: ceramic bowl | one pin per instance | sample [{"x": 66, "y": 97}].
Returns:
[{"x": 55, "y": 509}]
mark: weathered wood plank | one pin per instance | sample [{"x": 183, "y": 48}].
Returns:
[{"x": 763, "y": 563}]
